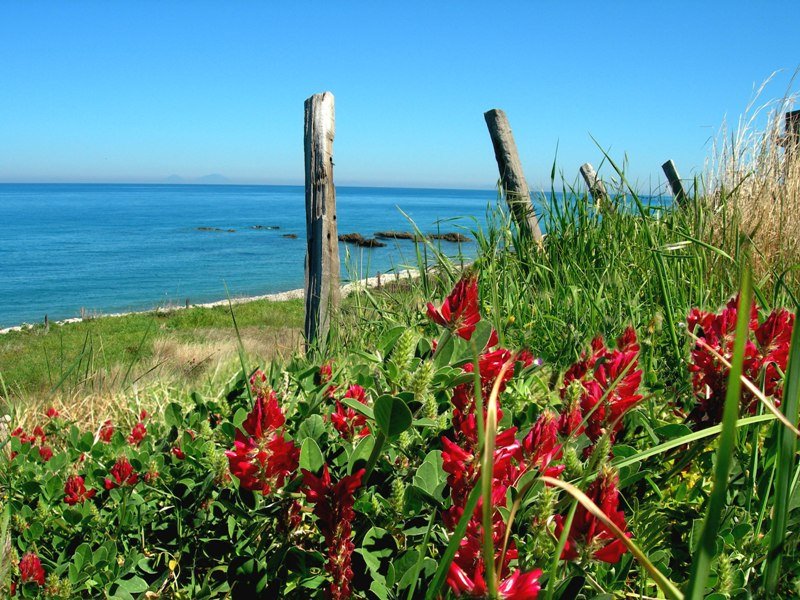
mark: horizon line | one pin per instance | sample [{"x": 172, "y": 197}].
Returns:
[{"x": 262, "y": 184}]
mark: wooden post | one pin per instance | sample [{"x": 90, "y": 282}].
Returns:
[
  {"x": 791, "y": 131},
  {"x": 792, "y": 127},
  {"x": 597, "y": 188},
  {"x": 675, "y": 182},
  {"x": 322, "y": 257},
  {"x": 515, "y": 188}
]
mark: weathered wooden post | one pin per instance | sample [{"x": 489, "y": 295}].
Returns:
[
  {"x": 515, "y": 188},
  {"x": 322, "y": 256},
  {"x": 792, "y": 128},
  {"x": 675, "y": 182},
  {"x": 597, "y": 189}
]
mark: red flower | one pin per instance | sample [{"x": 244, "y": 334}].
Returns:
[
  {"x": 106, "y": 431},
  {"x": 178, "y": 453},
  {"x": 490, "y": 365},
  {"x": 20, "y": 433},
  {"x": 292, "y": 518},
  {"x": 764, "y": 360},
  {"x": 258, "y": 380},
  {"x": 527, "y": 358},
  {"x": 263, "y": 461},
  {"x": 75, "y": 491},
  {"x": 541, "y": 444},
  {"x": 348, "y": 421},
  {"x": 590, "y": 533},
  {"x": 602, "y": 388},
  {"x": 30, "y": 569},
  {"x": 459, "y": 311},
  {"x": 122, "y": 473},
  {"x": 38, "y": 433},
  {"x": 51, "y": 412},
  {"x": 518, "y": 586},
  {"x": 263, "y": 465},
  {"x": 324, "y": 376},
  {"x": 326, "y": 372},
  {"x": 143, "y": 415},
  {"x": 138, "y": 434},
  {"x": 774, "y": 336},
  {"x": 38, "y": 436},
  {"x": 265, "y": 417},
  {"x": 333, "y": 507}
]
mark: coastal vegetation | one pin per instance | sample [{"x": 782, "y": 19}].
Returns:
[{"x": 616, "y": 405}]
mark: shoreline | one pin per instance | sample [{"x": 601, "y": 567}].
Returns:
[{"x": 295, "y": 294}]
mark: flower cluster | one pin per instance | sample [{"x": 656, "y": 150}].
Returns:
[
  {"x": 590, "y": 534},
  {"x": 766, "y": 355},
  {"x": 333, "y": 507},
  {"x": 264, "y": 458},
  {"x": 75, "y": 491},
  {"x": 459, "y": 312},
  {"x": 122, "y": 474},
  {"x": 597, "y": 391},
  {"x": 324, "y": 376},
  {"x": 600, "y": 388},
  {"x": 37, "y": 439},
  {"x": 30, "y": 569},
  {"x": 347, "y": 421},
  {"x": 106, "y": 431},
  {"x": 511, "y": 459}
]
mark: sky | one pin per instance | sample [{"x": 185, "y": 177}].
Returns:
[{"x": 139, "y": 91}]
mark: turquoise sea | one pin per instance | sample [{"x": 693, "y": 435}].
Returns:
[{"x": 114, "y": 248}]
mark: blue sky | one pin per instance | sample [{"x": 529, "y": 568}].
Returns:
[{"x": 138, "y": 91}]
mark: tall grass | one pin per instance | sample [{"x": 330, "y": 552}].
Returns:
[{"x": 752, "y": 186}]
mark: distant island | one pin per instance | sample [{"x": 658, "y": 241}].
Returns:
[{"x": 212, "y": 178}]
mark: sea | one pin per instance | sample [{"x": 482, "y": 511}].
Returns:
[{"x": 68, "y": 250}]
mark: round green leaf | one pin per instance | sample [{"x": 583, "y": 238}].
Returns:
[
  {"x": 392, "y": 416},
  {"x": 311, "y": 457}
]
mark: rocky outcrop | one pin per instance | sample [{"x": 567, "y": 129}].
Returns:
[
  {"x": 450, "y": 237},
  {"x": 360, "y": 240},
  {"x": 407, "y": 235},
  {"x": 215, "y": 229}
]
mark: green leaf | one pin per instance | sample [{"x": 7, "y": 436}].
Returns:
[
  {"x": 173, "y": 415},
  {"x": 444, "y": 352},
  {"x": 360, "y": 454},
  {"x": 311, "y": 457},
  {"x": 313, "y": 427},
  {"x": 671, "y": 431},
  {"x": 359, "y": 407},
  {"x": 134, "y": 585},
  {"x": 430, "y": 476},
  {"x": 482, "y": 333},
  {"x": 392, "y": 415},
  {"x": 239, "y": 417},
  {"x": 86, "y": 442}
]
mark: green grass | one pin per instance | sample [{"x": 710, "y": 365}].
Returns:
[{"x": 33, "y": 361}]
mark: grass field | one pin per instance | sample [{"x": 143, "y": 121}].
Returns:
[{"x": 106, "y": 355}]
